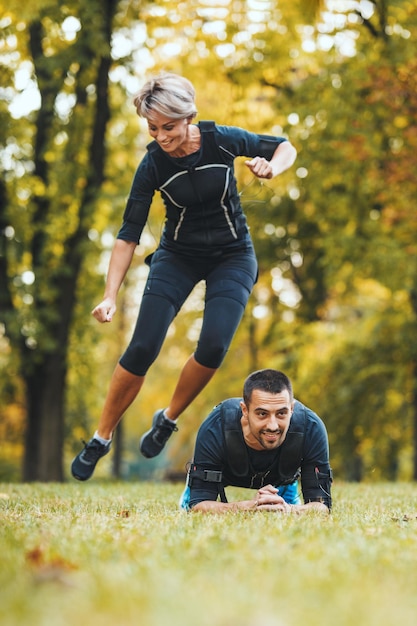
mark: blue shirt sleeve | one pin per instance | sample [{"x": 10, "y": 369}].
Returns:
[
  {"x": 137, "y": 208},
  {"x": 316, "y": 475},
  {"x": 240, "y": 142},
  {"x": 208, "y": 455}
]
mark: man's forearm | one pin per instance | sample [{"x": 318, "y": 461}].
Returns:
[
  {"x": 209, "y": 506},
  {"x": 309, "y": 506}
]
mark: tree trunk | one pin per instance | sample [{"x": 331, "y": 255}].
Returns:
[
  {"x": 415, "y": 423},
  {"x": 118, "y": 451},
  {"x": 45, "y": 373},
  {"x": 253, "y": 347},
  {"x": 44, "y": 362},
  {"x": 413, "y": 300},
  {"x": 45, "y": 424}
]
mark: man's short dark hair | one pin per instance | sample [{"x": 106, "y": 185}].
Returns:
[{"x": 268, "y": 380}]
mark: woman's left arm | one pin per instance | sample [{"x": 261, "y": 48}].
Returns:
[{"x": 282, "y": 159}]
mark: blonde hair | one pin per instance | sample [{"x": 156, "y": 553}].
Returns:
[{"x": 168, "y": 94}]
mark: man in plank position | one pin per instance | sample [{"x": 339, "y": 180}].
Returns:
[{"x": 266, "y": 441}]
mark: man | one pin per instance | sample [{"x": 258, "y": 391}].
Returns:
[{"x": 267, "y": 441}]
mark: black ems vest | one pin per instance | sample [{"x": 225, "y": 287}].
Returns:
[{"x": 284, "y": 470}]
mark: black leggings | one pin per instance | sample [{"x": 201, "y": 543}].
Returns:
[{"x": 229, "y": 281}]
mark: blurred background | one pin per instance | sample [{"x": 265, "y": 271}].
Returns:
[{"x": 336, "y": 302}]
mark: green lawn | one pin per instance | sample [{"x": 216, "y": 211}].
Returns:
[{"x": 121, "y": 554}]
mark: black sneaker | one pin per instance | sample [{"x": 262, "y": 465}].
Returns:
[
  {"x": 84, "y": 464},
  {"x": 153, "y": 441}
]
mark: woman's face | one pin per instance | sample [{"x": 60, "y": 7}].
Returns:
[{"x": 169, "y": 133}]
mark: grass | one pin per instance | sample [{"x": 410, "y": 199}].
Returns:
[{"x": 123, "y": 554}]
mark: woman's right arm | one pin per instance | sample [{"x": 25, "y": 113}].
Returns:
[{"x": 120, "y": 260}]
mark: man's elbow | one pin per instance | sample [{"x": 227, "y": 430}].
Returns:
[{"x": 200, "y": 507}]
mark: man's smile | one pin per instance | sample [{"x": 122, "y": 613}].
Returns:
[{"x": 270, "y": 436}]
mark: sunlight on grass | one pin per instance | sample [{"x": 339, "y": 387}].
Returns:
[{"x": 124, "y": 554}]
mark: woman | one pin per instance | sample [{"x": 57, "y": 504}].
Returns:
[{"x": 205, "y": 237}]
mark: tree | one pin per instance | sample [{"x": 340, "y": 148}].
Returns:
[
  {"x": 65, "y": 172},
  {"x": 358, "y": 150}
]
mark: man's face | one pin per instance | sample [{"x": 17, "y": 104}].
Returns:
[{"x": 266, "y": 420}]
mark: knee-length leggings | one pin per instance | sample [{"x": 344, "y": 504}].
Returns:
[{"x": 229, "y": 279}]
